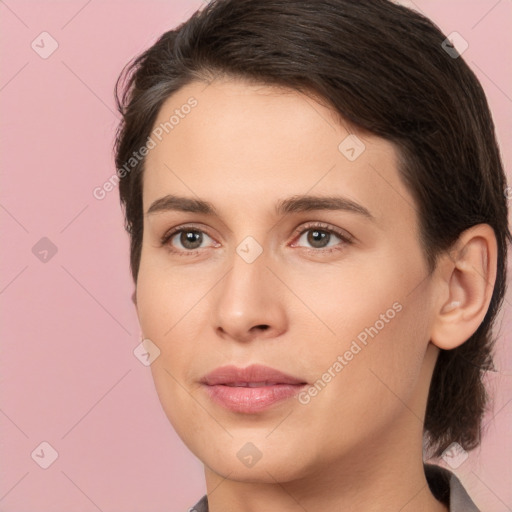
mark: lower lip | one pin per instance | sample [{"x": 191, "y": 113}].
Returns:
[{"x": 251, "y": 400}]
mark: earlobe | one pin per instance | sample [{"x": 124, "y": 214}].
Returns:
[{"x": 465, "y": 287}]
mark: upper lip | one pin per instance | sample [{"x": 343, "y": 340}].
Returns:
[{"x": 255, "y": 373}]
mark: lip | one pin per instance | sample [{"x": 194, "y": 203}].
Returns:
[{"x": 251, "y": 389}]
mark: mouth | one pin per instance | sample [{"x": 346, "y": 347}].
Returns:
[
  {"x": 251, "y": 384},
  {"x": 252, "y": 389}
]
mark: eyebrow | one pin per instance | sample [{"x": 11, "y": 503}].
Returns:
[{"x": 295, "y": 204}]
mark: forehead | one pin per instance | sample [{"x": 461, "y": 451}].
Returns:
[{"x": 243, "y": 145}]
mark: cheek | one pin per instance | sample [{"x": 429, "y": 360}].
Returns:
[
  {"x": 166, "y": 298},
  {"x": 173, "y": 306},
  {"x": 369, "y": 391},
  {"x": 167, "y": 317},
  {"x": 374, "y": 336},
  {"x": 352, "y": 299},
  {"x": 169, "y": 310}
]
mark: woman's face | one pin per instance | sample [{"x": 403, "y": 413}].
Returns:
[{"x": 334, "y": 294}]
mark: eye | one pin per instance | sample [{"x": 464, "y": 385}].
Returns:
[
  {"x": 322, "y": 236},
  {"x": 185, "y": 240}
]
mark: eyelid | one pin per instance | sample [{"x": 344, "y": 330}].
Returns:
[{"x": 322, "y": 226}]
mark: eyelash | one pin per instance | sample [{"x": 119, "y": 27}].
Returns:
[{"x": 345, "y": 238}]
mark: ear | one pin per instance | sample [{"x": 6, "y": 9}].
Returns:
[
  {"x": 466, "y": 277},
  {"x": 134, "y": 297}
]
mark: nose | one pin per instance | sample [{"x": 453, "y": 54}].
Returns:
[{"x": 249, "y": 302}]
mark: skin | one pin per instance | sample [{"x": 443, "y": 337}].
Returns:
[{"x": 357, "y": 444}]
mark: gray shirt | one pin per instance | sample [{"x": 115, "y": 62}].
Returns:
[{"x": 445, "y": 486}]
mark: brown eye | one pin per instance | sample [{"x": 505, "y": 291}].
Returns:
[
  {"x": 186, "y": 240},
  {"x": 191, "y": 239},
  {"x": 318, "y": 238}
]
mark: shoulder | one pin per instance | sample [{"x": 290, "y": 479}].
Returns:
[
  {"x": 200, "y": 506},
  {"x": 448, "y": 489}
]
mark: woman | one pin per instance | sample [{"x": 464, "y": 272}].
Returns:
[{"x": 318, "y": 224}]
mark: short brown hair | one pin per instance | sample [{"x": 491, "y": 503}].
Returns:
[{"x": 383, "y": 69}]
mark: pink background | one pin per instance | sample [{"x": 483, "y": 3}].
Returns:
[{"x": 68, "y": 375}]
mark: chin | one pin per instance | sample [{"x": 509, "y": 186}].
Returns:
[{"x": 240, "y": 461}]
